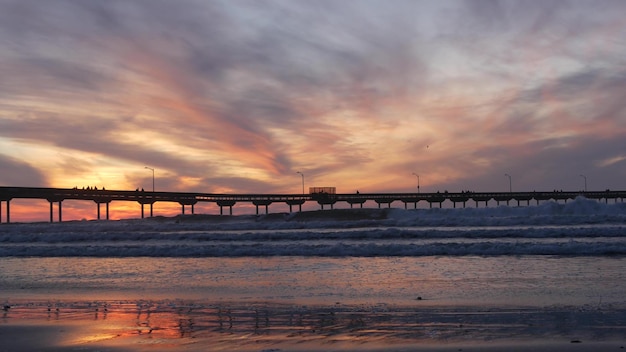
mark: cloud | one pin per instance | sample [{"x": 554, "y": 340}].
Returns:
[
  {"x": 19, "y": 173},
  {"x": 612, "y": 160},
  {"x": 230, "y": 95}
]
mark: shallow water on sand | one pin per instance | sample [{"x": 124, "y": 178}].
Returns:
[
  {"x": 518, "y": 281},
  {"x": 296, "y": 303}
]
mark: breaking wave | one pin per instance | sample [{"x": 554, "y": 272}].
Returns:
[{"x": 582, "y": 227}]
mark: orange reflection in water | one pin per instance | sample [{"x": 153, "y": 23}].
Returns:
[
  {"x": 194, "y": 325},
  {"x": 221, "y": 326}
]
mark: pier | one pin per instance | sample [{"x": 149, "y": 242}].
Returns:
[{"x": 188, "y": 200}]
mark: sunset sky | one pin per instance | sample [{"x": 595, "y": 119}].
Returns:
[{"x": 237, "y": 96}]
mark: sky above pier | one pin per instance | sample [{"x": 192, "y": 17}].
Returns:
[{"x": 238, "y": 96}]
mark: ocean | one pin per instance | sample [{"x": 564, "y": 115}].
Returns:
[{"x": 343, "y": 279}]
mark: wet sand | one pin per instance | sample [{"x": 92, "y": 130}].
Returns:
[
  {"x": 65, "y": 338},
  {"x": 247, "y": 326},
  {"x": 312, "y": 304}
]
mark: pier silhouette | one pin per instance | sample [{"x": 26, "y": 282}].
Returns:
[{"x": 190, "y": 199}]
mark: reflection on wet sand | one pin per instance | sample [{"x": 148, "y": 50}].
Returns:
[{"x": 264, "y": 324}]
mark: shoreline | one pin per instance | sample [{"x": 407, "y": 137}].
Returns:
[
  {"x": 261, "y": 326},
  {"x": 66, "y": 338}
]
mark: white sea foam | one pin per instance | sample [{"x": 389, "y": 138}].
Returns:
[{"x": 581, "y": 227}]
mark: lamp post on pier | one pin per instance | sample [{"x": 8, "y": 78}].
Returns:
[
  {"x": 510, "y": 183},
  {"x": 301, "y": 174},
  {"x": 418, "y": 182},
  {"x": 149, "y": 168}
]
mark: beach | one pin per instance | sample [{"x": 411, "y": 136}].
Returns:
[
  {"x": 425, "y": 303},
  {"x": 515, "y": 279}
]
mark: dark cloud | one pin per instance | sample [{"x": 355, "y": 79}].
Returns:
[
  {"x": 20, "y": 173},
  {"x": 51, "y": 78}
]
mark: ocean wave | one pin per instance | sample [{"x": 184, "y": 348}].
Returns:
[
  {"x": 339, "y": 249},
  {"x": 582, "y": 227}
]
